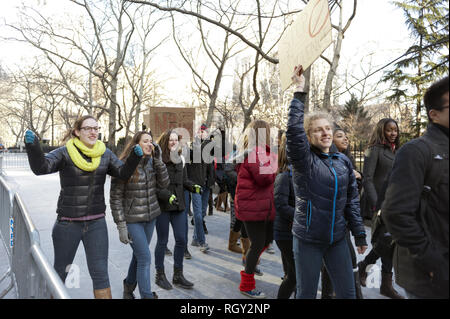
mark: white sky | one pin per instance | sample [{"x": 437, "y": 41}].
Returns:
[{"x": 377, "y": 28}]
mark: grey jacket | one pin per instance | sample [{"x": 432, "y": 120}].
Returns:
[
  {"x": 135, "y": 201},
  {"x": 378, "y": 161}
]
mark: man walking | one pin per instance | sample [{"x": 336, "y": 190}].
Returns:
[{"x": 415, "y": 209}]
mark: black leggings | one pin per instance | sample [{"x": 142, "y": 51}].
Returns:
[
  {"x": 260, "y": 234},
  {"x": 287, "y": 287},
  {"x": 386, "y": 263}
]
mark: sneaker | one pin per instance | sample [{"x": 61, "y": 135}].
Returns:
[
  {"x": 187, "y": 254},
  {"x": 254, "y": 294},
  {"x": 195, "y": 243},
  {"x": 168, "y": 252},
  {"x": 204, "y": 247},
  {"x": 270, "y": 250}
]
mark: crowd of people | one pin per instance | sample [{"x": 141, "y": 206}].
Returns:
[{"x": 305, "y": 194}]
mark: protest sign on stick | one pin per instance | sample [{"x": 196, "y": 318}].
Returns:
[{"x": 305, "y": 39}]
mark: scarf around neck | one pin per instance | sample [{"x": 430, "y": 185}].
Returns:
[{"x": 95, "y": 153}]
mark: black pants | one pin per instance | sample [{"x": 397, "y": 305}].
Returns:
[
  {"x": 386, "y": 262},
  {"x": 260, "y": 234},
  {"x": 287, "y": 287}
]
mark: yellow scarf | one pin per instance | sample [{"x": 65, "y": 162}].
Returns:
[{"x": 94, "y": 153}]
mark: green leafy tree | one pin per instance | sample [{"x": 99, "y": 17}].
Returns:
[{"x": 426, "y": 60}]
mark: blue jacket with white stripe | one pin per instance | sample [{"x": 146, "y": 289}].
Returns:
[{"x": 326, "y": 193}]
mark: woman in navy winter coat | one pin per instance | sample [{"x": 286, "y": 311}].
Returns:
[
  {"x": 284, "y": 198},
  {"x": 326, "y": 200}
]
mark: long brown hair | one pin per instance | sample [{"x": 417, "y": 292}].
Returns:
[
  {"x": 283, "y": 163},
  {"x": 129, "y": 148},
  {"x": 163, "y": 142},
  {"x": 378, "y": 136},
  {"x": 77, "y": 126}
]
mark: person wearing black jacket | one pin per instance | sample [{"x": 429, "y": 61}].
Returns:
[
  {"x": 172, "y": 203},
  {"x": 200, "y": 170},
  {"x": 378, "y": 161},
  {"x": 284, "y": 197},
  {"x": 83, "y": 164},
  {"x": 415, "y": 210}
]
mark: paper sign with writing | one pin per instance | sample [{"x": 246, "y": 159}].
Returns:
[{"x": 305, "y": 39}]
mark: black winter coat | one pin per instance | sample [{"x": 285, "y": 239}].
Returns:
[
  {"x": 135, "y": 201},
  {"x": 201, "y": 170},
  {"x": 284, "y": 197},
  {"x": 82, "y": 193},
  {"x": 421, "y": 237},
  {"x": 178, "y": 183},
  {"x": 378, "y": 161},
  {"x": 326, "y": 193}
]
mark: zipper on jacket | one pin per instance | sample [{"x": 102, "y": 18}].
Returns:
[
  {"x": 308, "y": 215},
  {"x": 334, "y": 199}
]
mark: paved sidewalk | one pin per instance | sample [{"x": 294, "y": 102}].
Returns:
[{"x": 215, "y": 274}]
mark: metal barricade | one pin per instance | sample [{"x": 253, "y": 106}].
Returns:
[
  {"x": 13, "y": 160},
  {"x": 5, "y": 231},
  {"x": 30, "y": 271}
]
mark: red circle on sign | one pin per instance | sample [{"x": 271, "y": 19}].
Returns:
[{"x": 315, "y": 32}]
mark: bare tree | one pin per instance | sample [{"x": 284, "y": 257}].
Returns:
[
  {"x": 111, "y": 29},
  {"x": 341, "y": 29}
]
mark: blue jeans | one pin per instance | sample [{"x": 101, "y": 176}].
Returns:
[
  {"x": 205, "y": 200},
  {"x": 139, "y": 269},
  {"x": 187, "y": 201},
  {"x": 308, "y": 262},
  {"x": 178, "y": 221},
  {"x": 199, "y": 204},
  {"x": 66, "y": 237}
]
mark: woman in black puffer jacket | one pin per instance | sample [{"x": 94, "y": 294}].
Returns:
[
  {"x": 171, "y": 200},
  {"x": 135, "y": 206},
  {"x": 83, "y": 164}
]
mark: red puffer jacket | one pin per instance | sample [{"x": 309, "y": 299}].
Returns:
[{"x": 254, "y": 192}]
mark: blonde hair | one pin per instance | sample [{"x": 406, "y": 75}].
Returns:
[
  {"x": 311, "y": 117},
  {"x": 252, "y": 135}
]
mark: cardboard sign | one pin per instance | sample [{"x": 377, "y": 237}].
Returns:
[
  {"x": 305, "y": 39},
  {"x": 161, "y": 119}
]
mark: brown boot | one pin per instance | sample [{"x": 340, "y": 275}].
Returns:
[
  {"x": 220, "y": 201},
  {"x": 245, "y": 246},
  {"x": 102, "y": 293},
  {"x": 232, "y": 242},
  {"x": 386, "y": 288}
]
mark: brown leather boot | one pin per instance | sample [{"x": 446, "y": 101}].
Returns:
[
  {"x": 245, "y": 246},
  {"x": 386, "y": 288},
  {"x": 232, "y": 242},
  {"x": 102, "y": 293}
]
